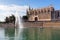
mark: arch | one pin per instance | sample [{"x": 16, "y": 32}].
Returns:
[
  {"x": 44, "y": 10},
  {"x": 36, "y": 18},
  {"x": 41, "y": 11},
  {"x": 48, "y": 10}
]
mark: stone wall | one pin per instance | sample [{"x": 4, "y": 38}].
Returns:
[
  {"x": 7, "y": 25},
  {"x": 42, "y": 14},
  {"x": 42, "y": 24},
  {"x": 51, "y": 24},
  {"x": 32, "y": 24},
  {"x": 44, "y": 17}
]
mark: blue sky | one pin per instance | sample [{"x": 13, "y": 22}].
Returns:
[
  {"x": 7, "y": 5},
  {"x": 33, "y": 3}
]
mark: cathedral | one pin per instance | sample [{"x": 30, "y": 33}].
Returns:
[{"x": 43, "y": 14}]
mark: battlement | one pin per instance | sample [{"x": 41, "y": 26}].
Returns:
[{"x": 43, "y": 14}]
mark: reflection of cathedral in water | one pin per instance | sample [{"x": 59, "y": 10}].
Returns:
[{"x": 43, "y": 14}]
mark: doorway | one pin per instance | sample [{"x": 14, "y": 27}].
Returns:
[{"x": 36, "y": 19}]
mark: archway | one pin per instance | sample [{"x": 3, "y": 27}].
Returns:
[{"x": 36, "y": 19}]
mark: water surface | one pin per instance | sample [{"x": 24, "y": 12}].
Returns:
[{"x": 30, "y": 34}]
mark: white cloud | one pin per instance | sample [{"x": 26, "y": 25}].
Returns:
[{"x": 7, "y": 10}]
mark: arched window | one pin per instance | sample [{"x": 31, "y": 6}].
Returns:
[
  {"x": 45, "y": 11},
  {"x": 48, "y": 10},
  {"x": 35, "y": 12},
  {"x": 41, "y": 11},
  {"x": 36, "y": 19}
]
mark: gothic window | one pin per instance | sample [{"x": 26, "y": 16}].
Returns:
[
  {"x": 35, "y": 12},
  {"x": 31, "y": 12},
  {"x": 45, "y": 11},
  {"x": 48, "y": 10},
  {"x": 41, "y": 11}
]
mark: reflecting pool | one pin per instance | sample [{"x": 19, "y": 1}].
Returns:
[{"x": 30, "y": 34}]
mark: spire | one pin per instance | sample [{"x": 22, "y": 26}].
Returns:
[{"x": 29, "y": 8}]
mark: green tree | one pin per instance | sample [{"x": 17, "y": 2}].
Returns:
[
  {"x": 7, "y": 20},
  {"x": 25, "y": 18},
  {"x": 12, "y": 19}
]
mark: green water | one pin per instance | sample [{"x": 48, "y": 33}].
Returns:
[
  {"x": 30, "y": 34},
  {"x": 41, "y": 34}
]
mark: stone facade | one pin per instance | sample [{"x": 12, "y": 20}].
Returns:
[
  {"x": 57, "y": 14},
  {"x": 42, "y": 24},
  {"x": 43, "y": 14},
  {"x": 43, "y": 17}
]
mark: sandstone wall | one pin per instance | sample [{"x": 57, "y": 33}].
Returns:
[
  {"x": 42, "y": 24},
  {"x": 51, "y": 24},
  {"x": 7, "y": 25},
  {"x": 32, "y": 24}
]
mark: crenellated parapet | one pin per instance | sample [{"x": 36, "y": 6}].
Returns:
[
  {"x": 40, "y": 14},
  {"x": 43, "y": 17}
]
